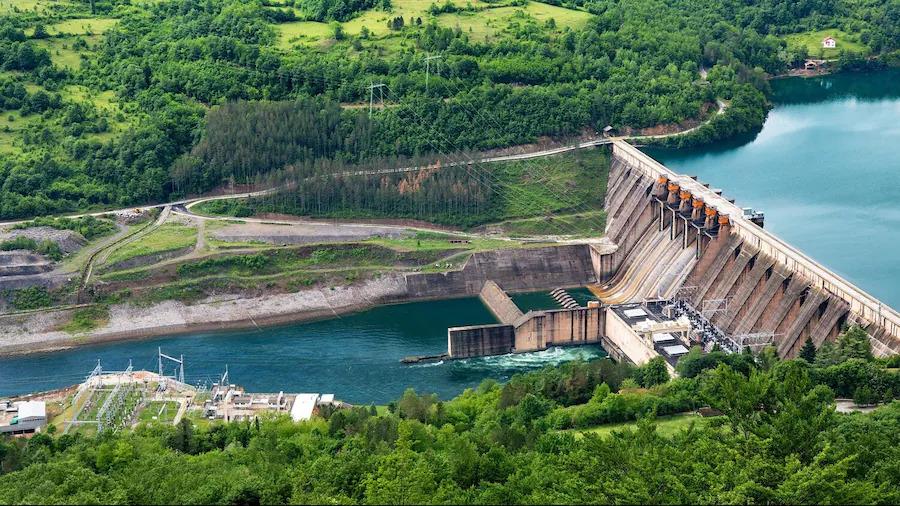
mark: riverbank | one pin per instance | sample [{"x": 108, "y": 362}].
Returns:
[{"x": 40, "y": 332}]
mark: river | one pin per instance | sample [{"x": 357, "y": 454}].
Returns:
[
  {"x": 356, "y": 357},
  {"x": 825, "y": 169}
]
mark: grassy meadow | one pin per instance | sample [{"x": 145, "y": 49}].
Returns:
[{"x": 812, "y": 41}]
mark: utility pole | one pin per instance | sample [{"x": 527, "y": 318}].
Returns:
[
  {"x": 428, "y": 68},
  {"x": 372, "y": 88}
]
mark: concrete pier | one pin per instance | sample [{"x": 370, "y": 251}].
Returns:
[{"x": 496, "y": 300}]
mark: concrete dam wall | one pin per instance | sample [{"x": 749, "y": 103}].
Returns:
[
  {"x": 677, "y": 238},
  {"x": 516, "y": 270}
]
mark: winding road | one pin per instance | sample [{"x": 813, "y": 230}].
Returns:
[{"x": 591, "y": 142}]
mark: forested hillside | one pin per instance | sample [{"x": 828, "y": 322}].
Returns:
[
  {"x": 779, "y": 441},
  {"x": 103, "y": 101}
]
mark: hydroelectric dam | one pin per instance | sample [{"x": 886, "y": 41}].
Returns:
[{"x": 684, "y": 265}]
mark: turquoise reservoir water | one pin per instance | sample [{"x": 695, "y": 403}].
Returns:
[
  {"x": 356, "y": 357},
  {"x": 825, "y": 169}
]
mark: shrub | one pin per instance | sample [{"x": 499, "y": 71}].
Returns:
[
  {"x": 34, "y": 297},
  {"x": 252, "y": 263},
  {"x": 47, "y": 248},
  {"x": 89, "y": 227},
  {"x": 87, "y": 319},
  {"x": 652, "y": 373}
]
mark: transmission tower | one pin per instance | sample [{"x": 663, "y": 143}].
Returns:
[
  {"x": 755, "y": 341},
  {"x": 111, "y": 412},
  {"x": 428, "y": 68},
  {"x": 685, "y": 293},
  {"x": 713, "y": 306},
  {"x": 179, "y": 372},
  {"x": 371, "y": 87},
  {"x": 86, "y": 388}
]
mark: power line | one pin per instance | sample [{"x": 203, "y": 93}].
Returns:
[
  {"x": 428, "y": 59},
  {"x": 457, "y": 91},
  {"x": 472, "y": 166}
]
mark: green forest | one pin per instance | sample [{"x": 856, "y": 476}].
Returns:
[
  {"x": 108, "y": 103},
  {"x": 772, "y": 436}
]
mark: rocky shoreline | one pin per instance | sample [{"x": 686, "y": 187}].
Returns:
[{"x": 40, "y": 332}]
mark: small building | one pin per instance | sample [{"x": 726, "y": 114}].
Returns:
[
  {"x": 608, "y": 130},
  {"x": 303, "y": 407},
  {"x": 306, "y": 405},
  {"x": 829, "y": 43},
  {"x": 22, "y": 417}
]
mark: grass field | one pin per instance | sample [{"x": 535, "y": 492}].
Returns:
[
  {"x": 62, "y": 50},
  {"x": 588, "y": 224},
  {"x": 82, "y": 26},
  {"x": 38, "y": 6},
  {"x": 665, "y": 426},
  {"x": 168, "y": 237},
  {"x": 571, "y": 181},
  {"x": 432, "y": 241},
  {"x": 492, "y": 19},
  {"x": 488, "y": 23},
  {"x": 162, "y": 412},
  {"x": 302, "y": 32},
  {"x": 376, "y": 20},
  {"x": 11, "y": 125},
  {"x": 813, "y": 43}
]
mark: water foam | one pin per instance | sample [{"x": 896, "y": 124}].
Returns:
[{"x": 518, "y": 361}]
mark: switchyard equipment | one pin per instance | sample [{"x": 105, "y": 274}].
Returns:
[{"x": 107, "y": 401}]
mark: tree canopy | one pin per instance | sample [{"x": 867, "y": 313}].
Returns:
[
  {"x": 134, "y": 118},
  {"x": 779, "y": 440}
]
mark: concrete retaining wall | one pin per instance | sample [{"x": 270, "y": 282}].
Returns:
[
  {"x": 538, "y": 330},
  {"x": 619, "y": 333},
  {"x": 480, "y": 340},
  {"x": 496, "y": 300},
  {"x": 523, "y": 269}
]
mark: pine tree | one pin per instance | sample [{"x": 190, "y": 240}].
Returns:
[
  {"x": 808, "y": 351},
  {"x": 854, "y": 343}
]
